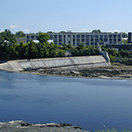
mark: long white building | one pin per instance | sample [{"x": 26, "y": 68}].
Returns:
[{"x": 75, "y": 38}]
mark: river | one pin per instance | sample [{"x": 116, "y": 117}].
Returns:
[{"x": 93, "y": 104}]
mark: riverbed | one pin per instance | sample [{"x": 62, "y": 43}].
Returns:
[{"x": 93, "y": 104}]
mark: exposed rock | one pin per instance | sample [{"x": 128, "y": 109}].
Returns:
[
  {"x": 75, "y": 72},
  {"x": 22, "y": 126},
  {"x": 111, "y": 72}
]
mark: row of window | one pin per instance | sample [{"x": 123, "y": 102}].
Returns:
[
  {"x": 86, "y": 36},
  {"x": 32, "y": 37},
  {"x": 87, "y": 40}
]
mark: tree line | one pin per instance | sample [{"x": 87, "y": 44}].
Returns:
[
  {"x": 122, "y": 56},
  {"x": 10, "y": 50}
]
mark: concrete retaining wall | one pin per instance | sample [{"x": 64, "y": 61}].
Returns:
[{"x": 85, "y": 61}]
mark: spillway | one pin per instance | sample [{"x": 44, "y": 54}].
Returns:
[{"x": 83, "y": 61}]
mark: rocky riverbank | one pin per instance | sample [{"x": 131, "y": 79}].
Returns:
[
  {"x": 109, "y": 72},
  {"x": 22, "y": 126}
]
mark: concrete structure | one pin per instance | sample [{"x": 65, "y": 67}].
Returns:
[
  {"x": 67, "y": 62},
  {"x": 75, "y": 38}
]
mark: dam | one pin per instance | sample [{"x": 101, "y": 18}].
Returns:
[{"x": 64, "y": 62}]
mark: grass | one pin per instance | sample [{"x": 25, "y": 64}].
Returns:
[{"x": 112, "y": 130}]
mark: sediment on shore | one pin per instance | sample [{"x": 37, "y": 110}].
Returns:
[{"x": 109, "y": 72}]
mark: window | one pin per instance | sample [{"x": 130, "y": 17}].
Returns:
[
  {"x": 82, "y": 40},
  {"x": 60, "y": 40},
  {"x": 51, "y": 37},
  {"x": 96, "y": 36},
  {"x": 28, "y": 37},
  {"x": 115, "y": 36},
  {"x": 119, "y": 40},
  {"x": 105, "y": 40},
  {"x": 101, "y": 36},
  {"x": 73, "y": 44},
  {"x": 55, "y": 41},
  {"x": 60, "y": 36},
  {"x": 110, "y": 36},
  {"x": 96, "y": 40},
  {"x": 69, "y": 35},
  {"x": 92, "y": 36},
  {"x": 32, "y": 37},
  {"x": 78, "y": 36},
  {"x": 55, "y": 36},
  {"x": 87, "y": 40},
  {"x": 105, "y": 36},
  {"x": 87, "y": 36},
  {"x": 78, "y": 40},
  {"x": 92, "y": 40},
  {"x": 119, "y": 36},
  {"x": 82, "y": 36}
]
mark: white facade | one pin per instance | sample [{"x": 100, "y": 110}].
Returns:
[{"x": 75, "y": 38}]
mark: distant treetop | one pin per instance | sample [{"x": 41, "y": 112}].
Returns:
[
  {"x": 20, "y": 34},
  {"x": 96, "y": 31}
]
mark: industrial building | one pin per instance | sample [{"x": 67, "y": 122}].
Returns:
[{"x": 75, "y": 38}]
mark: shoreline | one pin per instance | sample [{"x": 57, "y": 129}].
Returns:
[
  {"x": 22, "y": 126},
  {"x": 109, "y": 72}
]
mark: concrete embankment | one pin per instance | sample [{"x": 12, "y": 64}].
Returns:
[{"x": 85, "y": 61}]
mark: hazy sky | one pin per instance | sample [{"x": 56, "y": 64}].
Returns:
[{"x": 62, "y": 15}]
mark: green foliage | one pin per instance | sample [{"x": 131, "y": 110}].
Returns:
[
  {"x": 123, "y": 56},
  {"x": 1, "y": 40},
  {"x": 124, "y": 35},
  {"x": 19, "y": 34},
  {"x": 96, "y": 31},
  {"x": 112, "y": 130},
  {"x": 7, "y": 38},
  {"x": 43, "y": 37}
]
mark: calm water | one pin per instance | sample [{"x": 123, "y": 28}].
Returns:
[{"x": 93, "y": 104}]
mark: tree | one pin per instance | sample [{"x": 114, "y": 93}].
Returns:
[
  {"x": 31, "y": 50},
  {"x": 20, "y": 34},
  {"x": 1, "y": 39},
  {"x": 96, "y": 31},
  {"x": 124, "y": 35},
  {"x": 9, "y": 38},
  {"x": 21, "y": 48},
  {"x": 43, "y": 37}
]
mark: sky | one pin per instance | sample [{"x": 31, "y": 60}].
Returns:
[{"x": 32, "y": 16}]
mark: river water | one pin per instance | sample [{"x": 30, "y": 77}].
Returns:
[{"x": 93, "y": 104}]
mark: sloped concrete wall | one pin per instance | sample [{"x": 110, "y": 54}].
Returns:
[{"x": 85, "y": 61}]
